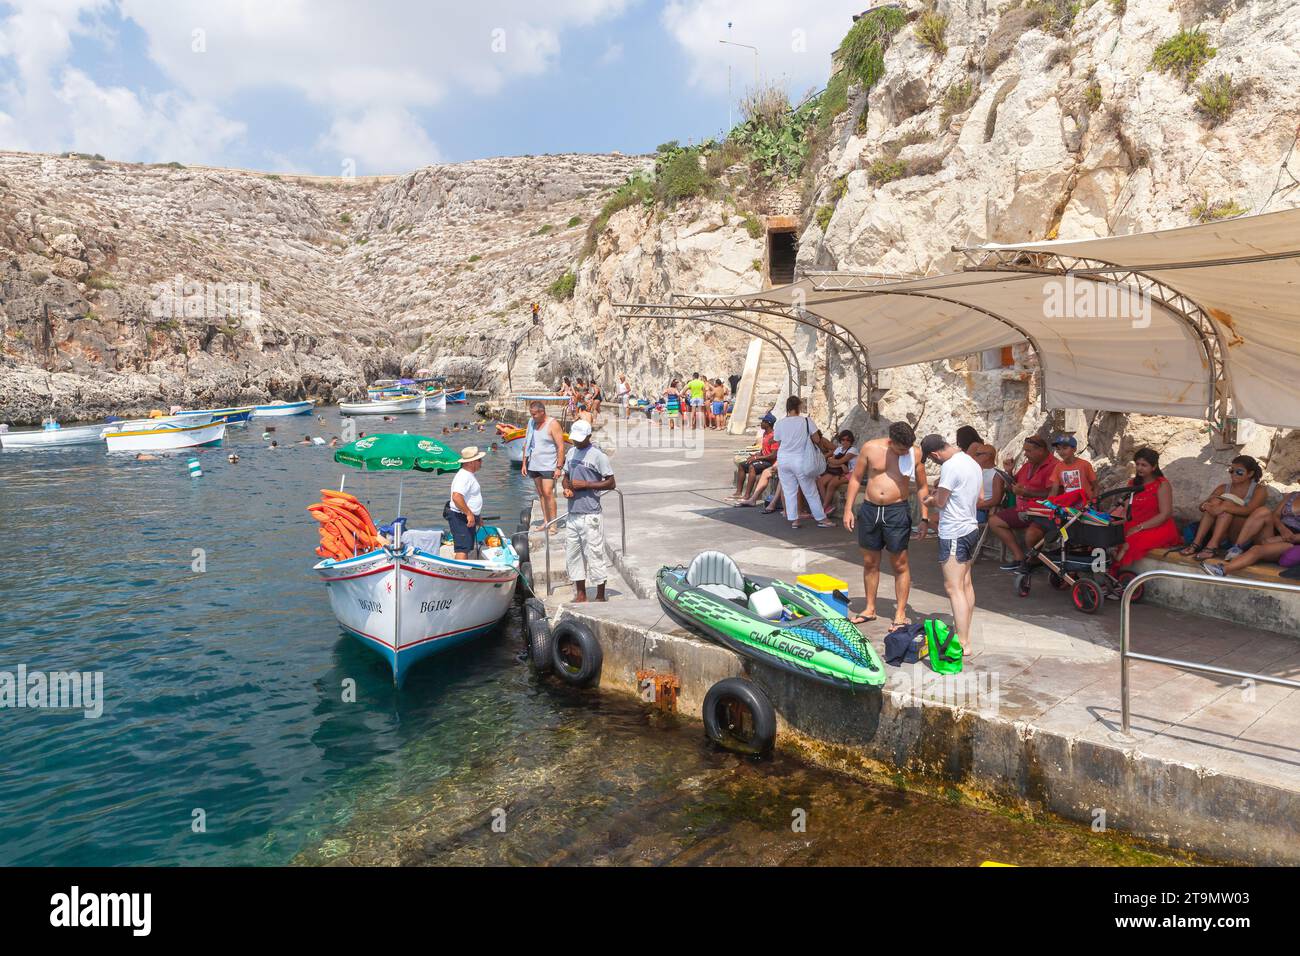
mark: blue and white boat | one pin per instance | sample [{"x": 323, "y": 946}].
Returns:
[
  {"x": 279, "y": 409},
  {"x": 231, "y": 416},
  {"x": 406, "y": 604},
  {"x": 456, "y": 396}
]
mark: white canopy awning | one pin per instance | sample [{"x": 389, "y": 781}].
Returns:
[{"x": 1167, "y": 323}]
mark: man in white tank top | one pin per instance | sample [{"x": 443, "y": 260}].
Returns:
[{"x": 886, "y": 467}]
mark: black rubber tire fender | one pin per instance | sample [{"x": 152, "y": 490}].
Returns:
[
  {"x": 526, "y": 575},
  {"x": 721, "y": 703},
  {"x": 576, "y": 656},
  {"x": 539, "y": 635},
  {"x": 525, "y": 517},
  {"x": 520, "y": 542}
]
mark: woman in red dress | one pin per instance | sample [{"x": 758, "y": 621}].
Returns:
[{"x": 1150, "y": 522}]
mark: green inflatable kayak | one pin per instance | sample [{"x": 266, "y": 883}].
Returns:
[{"x": 768, "y": 620}]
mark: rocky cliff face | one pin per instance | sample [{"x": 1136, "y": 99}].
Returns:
[
  {"x": 1028, "y": 129},
  {"x": 1029, "y": 125},
  {"x": 126, "y": 287}
]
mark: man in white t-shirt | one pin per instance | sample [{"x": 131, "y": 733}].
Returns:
[
  {"x": 961, "y": 481},
  {"x": 466, "y": 502}
]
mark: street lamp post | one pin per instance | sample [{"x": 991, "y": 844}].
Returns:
[{"x": 729, "y": 94}]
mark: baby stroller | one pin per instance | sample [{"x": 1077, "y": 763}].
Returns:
[{"x": 1078, "y": 551}]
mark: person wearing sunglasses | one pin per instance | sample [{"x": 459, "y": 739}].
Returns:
[
  {"x": 1224, "y": 512},
  {"x": 1275, "y": 535}
]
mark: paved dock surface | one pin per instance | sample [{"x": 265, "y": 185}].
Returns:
[{"x": 1056, "y": 669}]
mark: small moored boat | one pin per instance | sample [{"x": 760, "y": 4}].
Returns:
[
  {"x": 53, "y": 435},
  {"x": 512, "y": 439},
  {"x": 162, "y": 435},
  {"x": 231, "y": 416},
  {"x": 407, "y": 597},
  {"x": 278, "y": 409},
  {"x": 456, "y": 396},
  {"x": 384, "y": 406}
]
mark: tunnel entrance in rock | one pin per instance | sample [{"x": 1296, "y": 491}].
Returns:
[{"x": 782, "y": 249}]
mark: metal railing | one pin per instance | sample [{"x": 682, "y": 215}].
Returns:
[
  {"x": 1126, "y": 655},
  {"x": 512, "y": 353},
  {"x": 622, "y": 519}
]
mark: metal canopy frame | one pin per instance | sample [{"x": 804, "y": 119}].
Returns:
[
  {"x": 1206, "y": 331},
  {"x": 694, "y": 306},
  {"x": 739, "y": 323},
  {"x": 1025, "y": 261}
]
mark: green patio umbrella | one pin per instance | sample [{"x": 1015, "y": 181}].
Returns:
[{"x": 399, "y": 453}]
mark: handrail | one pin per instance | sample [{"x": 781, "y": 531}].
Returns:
[
  {"x": 1126, "y": 655},
  {"x": 514, "y": 353},
  {"x": 622, "y": 517}
]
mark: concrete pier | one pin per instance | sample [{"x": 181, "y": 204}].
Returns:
[{"x": 1211, "y": 767}]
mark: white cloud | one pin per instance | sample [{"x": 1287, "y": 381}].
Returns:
[
  {"x": 613, "y": 54},
  {"x": 352, "y": 55},
  {"x": 52, "y": 106},
  {"x": 382, "y": 140},
  {"x": 115, "y": 121},
  {"x": 794, "y": 41},
  {"x": 369, "y": 66}
]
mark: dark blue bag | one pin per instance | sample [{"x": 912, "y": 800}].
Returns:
[{"x": 903, "y": 644}]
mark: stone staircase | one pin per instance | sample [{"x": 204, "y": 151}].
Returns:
[
  {"x": 526, "y": 376},
  {"x": 771, "y": 379}
]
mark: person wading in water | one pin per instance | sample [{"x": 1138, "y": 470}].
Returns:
[
  {"x": 543, "y": 458},
  {"x": 888, "y": 467}
]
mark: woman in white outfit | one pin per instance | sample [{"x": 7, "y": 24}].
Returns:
[{"x": 801, "y": 448}]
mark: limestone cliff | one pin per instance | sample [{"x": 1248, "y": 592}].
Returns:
[
  {"x": 125, "y": 287},
  {"x": 1023, "y": 121}
]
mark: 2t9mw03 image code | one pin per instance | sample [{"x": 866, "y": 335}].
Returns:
[{"x": 1186, "y": 897}]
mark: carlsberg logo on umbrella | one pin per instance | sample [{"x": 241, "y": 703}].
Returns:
[{"x": 398, "y": 453}]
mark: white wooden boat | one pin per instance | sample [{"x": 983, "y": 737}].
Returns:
[
  {"x": 162, "y": 435},
  {"x": 511, "y": 438},
  {"x": 436, "y": 401},
  {"x": 406, "y": 604},
  {"x": 231, "y": 416},
  {"x": 279, "y": 409},
  {"x": 53, "y": 435},
  {"x": 384, "y": 406}
]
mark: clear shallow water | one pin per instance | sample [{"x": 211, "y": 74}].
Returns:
[
  {"x": 224, "y": 693},
  {"x": 222, "y": 688}
]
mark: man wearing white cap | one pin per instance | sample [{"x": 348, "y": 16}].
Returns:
[
  {"x": 587, "y": 472},
  {"x": 466, "y": 502}
]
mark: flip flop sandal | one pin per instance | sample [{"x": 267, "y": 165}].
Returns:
[
  {"x": 1188, "y": 551},
  {"x": 1204, "y": 554},
  {"x": 903, "y": 623},
  {"x": 860, "y": 619}
]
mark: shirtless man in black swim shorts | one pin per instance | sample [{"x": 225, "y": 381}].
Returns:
[{"x": 887, "y": 466}]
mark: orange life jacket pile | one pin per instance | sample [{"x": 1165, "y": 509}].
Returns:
[{"x": 345, "y": 525}]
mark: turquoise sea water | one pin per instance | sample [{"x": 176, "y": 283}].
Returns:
[
  {"x": 222, "y": 688},
  {"x": 224, "y": 701}
]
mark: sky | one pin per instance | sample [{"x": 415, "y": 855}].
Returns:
[{"x": 365, "y": 87}]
